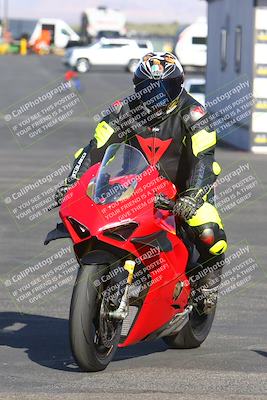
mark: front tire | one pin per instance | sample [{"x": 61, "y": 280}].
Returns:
[
  {"x": 193, "y": 333},
  {"x": 86, "y": 325},
  {"x": 83, "y": 65}
]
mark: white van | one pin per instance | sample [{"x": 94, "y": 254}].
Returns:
[
  {"x": 61, "y": 32},
  {"x": 102, "y": 22},
  {"x": 191, "y": 48}
]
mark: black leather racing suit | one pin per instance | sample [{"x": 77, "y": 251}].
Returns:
[
  {"x": 167, "y": 144},
  {"x": 182, "y": 146}
]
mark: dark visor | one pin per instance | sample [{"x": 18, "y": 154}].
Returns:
[{"x": 158, "y": 94}]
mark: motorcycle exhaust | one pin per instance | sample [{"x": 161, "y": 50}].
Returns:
[{"x": 123, "y": 310}]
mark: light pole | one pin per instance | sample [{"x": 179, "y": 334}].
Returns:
[
  {"x": 1, "y": 19},
  {"x": 5, "y": 17}
]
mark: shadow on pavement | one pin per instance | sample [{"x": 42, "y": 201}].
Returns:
[
  {"x": 261, "y": 352},
  {"x": 140, "y": 350},
  {"x": 46, "y": 341}
]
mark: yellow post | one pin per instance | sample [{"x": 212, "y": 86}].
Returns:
[
  {"x": 129, "y": 266},
  {"x": 23, "y": 47}
]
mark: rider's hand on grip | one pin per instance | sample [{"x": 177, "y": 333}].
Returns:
[
  {"x": 60, "y": 194},
  {"x": 62, "y": 190},
  {"x": 188, "y": 204},
  {"x": 163, "y": 202}
]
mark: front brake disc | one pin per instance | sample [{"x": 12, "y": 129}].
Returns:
[{"x": 107, "y": 327}]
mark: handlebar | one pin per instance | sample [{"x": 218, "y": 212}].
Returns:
[
  {"x": 53, "y": 207},
  {"x": 163, "y": 202}
]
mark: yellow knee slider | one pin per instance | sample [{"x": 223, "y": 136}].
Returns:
[{"x": 218, "y": 248}]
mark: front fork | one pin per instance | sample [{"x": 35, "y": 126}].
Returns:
[{"x": 123, "y": 309}]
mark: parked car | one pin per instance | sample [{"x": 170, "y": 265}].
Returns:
[
  {"x": 112, "y": 52},
  {"x": 197, "y": 88},
  {"x": 145, "y": 44},
  {"x": 191, "y": 48}
]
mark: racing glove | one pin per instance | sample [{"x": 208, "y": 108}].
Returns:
[
  {"x": 188, "y": 204},
  {"x": 62, "y": 190},
  {"x": 185, "y": 207}
]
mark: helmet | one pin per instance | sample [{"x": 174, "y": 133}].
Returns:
[{"x": 158, "y": 82}]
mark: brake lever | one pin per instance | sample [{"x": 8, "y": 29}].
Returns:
[{"x": 53, "y": 207}]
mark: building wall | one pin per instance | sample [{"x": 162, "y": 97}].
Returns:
[
  {"x": 259, "y": 118},
  {"x": 228, "y": 15}
]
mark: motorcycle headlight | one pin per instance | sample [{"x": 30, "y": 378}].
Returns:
[{"x": 80, "y": 229}]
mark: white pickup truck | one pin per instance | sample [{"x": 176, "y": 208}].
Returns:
[{"x": 109, "y": 52}]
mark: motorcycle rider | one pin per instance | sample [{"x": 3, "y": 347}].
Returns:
[{"x": 172, "y": 130}]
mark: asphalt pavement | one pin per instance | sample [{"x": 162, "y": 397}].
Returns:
[{"x": 35, "y": 357}]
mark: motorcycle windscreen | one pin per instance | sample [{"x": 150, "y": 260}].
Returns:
[{"x": 118, "y": 174}]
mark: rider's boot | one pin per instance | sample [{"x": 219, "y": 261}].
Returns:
[
  {"x": 205, "y": 279},
  {"x": 210, "y": 281}
]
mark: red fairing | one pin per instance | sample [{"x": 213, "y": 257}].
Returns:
[
  {"x": 169, "y": 263},
  {"x": 77, "y": 204},
  {"x": 158, "y": 307}
]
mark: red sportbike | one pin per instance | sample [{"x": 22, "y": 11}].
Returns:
[{"x": 133, "y": 282}]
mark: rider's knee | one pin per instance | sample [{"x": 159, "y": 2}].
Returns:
[
  {"x": 209, "y": 230},
  {"x": 213, "y": 238}
]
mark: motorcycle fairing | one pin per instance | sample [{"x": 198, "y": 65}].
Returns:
[
  {"x": 59, "y": 233},
  {"x": 158, "y": 306}
]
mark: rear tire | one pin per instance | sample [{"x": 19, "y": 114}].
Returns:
[
  {"x": 83, "y": 65},
  {"x": 87, "y": 347},
  {"x": 193, "y": 333}
]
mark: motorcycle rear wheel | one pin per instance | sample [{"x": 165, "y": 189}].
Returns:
[
  {"x": 87, "y": 327},
  {"x": 194, "y": 333}
]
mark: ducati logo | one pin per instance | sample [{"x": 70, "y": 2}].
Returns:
[
  {"x": 197, "y": 112},
  {"x": 154, "y": 148}
]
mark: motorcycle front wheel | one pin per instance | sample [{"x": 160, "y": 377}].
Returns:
[{"x": 94, "y": 338}]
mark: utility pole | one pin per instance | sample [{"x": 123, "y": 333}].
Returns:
[
  {"x": 5, "y": 17},
  {"x": 1, "y": 20}
]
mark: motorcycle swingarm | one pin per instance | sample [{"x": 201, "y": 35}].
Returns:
[{"x": 172, "y": 327}]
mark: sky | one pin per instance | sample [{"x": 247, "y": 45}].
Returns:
[{"x": 183, "y": 11}]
